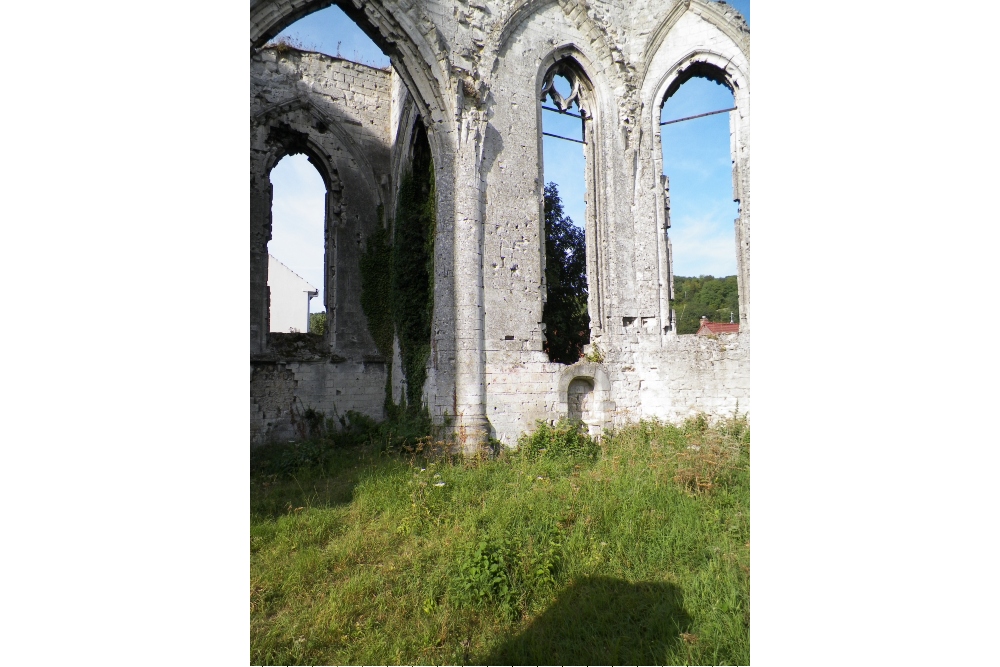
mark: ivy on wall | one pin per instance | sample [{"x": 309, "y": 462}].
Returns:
[
  {"x": 376, "y": 289},
  {"x": 413, "y": 267},
  {"x": 397, "y": 285}
]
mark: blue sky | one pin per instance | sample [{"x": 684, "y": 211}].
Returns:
[{"x": 695, "y": 156}]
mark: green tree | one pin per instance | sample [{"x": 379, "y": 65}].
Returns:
[
  {"x": 567, "y": 322},
  {"x": 317, "y": 323}
]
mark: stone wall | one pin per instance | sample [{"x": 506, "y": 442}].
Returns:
[
  {"x": 471, "y": 73},
  {"x": 337, "y": 113},
  {"x": 281, "y": 391},
  {"x": 688, "y": 375}
]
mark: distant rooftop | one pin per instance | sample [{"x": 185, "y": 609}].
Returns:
[{"x": 707, "y": 327}]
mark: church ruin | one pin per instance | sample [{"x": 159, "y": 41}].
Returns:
[{"x": 460, "y": 108}]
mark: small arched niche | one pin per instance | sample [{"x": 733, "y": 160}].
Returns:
[{"x": 585, "y": 395}]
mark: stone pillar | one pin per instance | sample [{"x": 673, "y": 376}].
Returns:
[
  {"x": 260, "y": 234},
  {"x": 470, "y": 360}
]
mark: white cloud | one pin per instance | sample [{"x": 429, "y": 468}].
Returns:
[{"x": 704, "y": 244}]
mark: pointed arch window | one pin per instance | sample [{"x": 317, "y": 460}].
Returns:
[{"x": 571, "y": 292}]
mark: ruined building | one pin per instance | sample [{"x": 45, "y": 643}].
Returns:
[{"x": 455, "y": 126}]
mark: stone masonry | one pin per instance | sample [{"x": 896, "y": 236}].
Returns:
[{"x": 473, "y": 74}]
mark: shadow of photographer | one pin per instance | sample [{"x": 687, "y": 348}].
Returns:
[{"x": 601, "y": 621}]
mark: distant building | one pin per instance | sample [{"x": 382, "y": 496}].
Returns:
[
  {"x": 714, "y": 328},
  {"x": 290, "y": 296}
]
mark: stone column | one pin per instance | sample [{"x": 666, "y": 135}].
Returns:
[
  {"x": 260, "y": 234},
  {"x": 470, "y": 360}
]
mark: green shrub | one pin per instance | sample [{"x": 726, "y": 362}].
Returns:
[
  {"x": 486, "y": 574},
  {"x": 286, "y": 457},
  {"x": 320, "y": 434},
  {"x": 507, "y": 574},
  {"x": 567, "y": 439}
]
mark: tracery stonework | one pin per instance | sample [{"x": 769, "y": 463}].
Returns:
[{"x": 549, "y": 90}]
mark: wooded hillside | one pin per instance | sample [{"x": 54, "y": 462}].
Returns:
[{"x": 712, "y": 297}]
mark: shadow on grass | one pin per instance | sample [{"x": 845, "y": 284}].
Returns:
[
  {"x": 286, "y": 477},
  {"x": 601, "y": 621}
]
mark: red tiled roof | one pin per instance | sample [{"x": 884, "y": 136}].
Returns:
[{"x": 718, "y": 328}]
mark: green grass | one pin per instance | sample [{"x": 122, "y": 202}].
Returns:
[{"x": 634, "y": 552}]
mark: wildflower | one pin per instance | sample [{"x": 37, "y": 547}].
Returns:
[{"x": 439, "y": 484}]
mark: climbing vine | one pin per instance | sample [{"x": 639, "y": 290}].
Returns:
[
  {"x": 413, "y": 268},
  {"x": 397, "y": 277},
  {"x": 376, "y": 289}
]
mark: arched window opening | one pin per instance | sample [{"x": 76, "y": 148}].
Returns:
[
  {"x": 297, "y": 250},
  {"x": 566, "y": 312},
  {"x": 295, "y": 265},
  {"x": 696, "y": 136}
]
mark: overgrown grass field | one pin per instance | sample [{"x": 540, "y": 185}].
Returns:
[{"x": 632, "y": 551}]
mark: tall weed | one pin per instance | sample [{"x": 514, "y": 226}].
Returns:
[{"x": 712, "y": 454}]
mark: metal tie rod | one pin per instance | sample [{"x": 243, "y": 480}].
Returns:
[
  {"x": 549, "y": 134},
  {"x": 566, "y": 113},
  {"x": 710, "y": 113}
]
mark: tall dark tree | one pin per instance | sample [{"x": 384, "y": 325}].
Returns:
[{"x": 567, "y": 322}]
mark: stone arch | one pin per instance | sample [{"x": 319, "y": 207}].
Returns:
[
  {"x": 403, "y": 144},
  {"x": 353, "y": 193},
  {"x": 599, "y": 408},
  {"x": 291, "y": 142},
  {"x": 521, "y": 12},
  {"x": 592, "y": 30},
  {"x": 723, "y": 70},
  {"x": 322, "y": 123},
  {"x": 725, "y": 18},
  {"x": 416, "y": 47}
]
